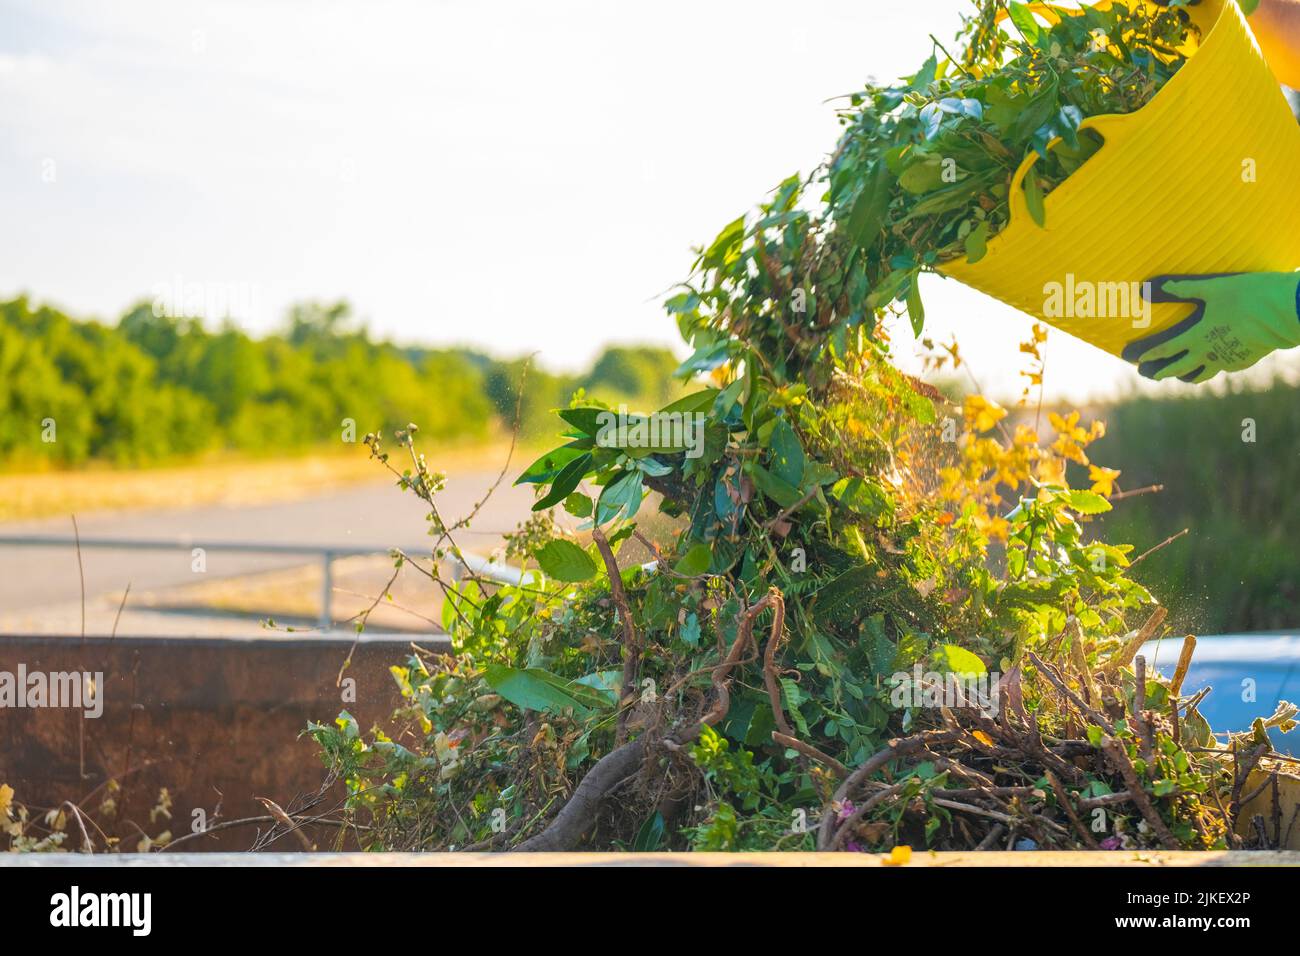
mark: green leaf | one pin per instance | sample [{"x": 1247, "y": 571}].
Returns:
[
  {"x": 565, "y": 561},
  {"x": 925, "y": 76},
  {"x": 779, "y": 490},
  {"x": 958, "y": 660},
  {"x": 787, "y": 454},
  {"x": 869, "y": 209},
  {"x": 923, "y": 176},
  {"x": 549, "y": 465},
  {"x": 860, "y": 496},
  {"x": 608, "y": 683},
  {"x": 1040, "y": 108},
  {"x": 1024, "y": 21},
  {"x": 1088, "y": 503},
  {"x": 1034, "y": 199},
  {"x": 585, "y": 419},
  {"x": 690, "y": 632},
  {"x": 695, "y": 561},
  {"x": 621, "y": 496},
  {"x": 696, "y": 402},
  {"x": 578, "y": 505},
  {"x": 565, "y": 482},
  {"x": 536, "y": 689},
  {"x": 725, "y": 247},
  {"x": 977, "y": 243},
  {"x": 650, "y": 835},
  {"x": 915, "y": 310}
]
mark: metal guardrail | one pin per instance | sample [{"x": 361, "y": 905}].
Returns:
[{"x": 475, "y": 565}]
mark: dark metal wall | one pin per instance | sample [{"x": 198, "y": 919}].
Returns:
[{"x": 217, "y": 722}]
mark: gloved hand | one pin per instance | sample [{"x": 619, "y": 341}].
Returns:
[{"x": 1239, "y": 319}]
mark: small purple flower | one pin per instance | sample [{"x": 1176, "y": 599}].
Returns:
[
  {"x": 854, "y": 847},
  {"x": 1111, "y": 843},
  {"x": 846, "y": 810}
]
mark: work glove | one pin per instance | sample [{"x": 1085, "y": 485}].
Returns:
[{"x": 1239, "y": 319}]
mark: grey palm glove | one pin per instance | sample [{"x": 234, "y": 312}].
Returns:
[{"x": 1239, "y": 319}]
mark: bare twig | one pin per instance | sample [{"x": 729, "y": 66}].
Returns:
[
  {"x": 1049, "y": 672},
  {"x": 81, "y": 572},
  {"x": 286, "y": 821},
  {"x": 118, "y": 617},
  {"x": 898, "y": 747},
  {"x": 1115, "y": 752},
  {"x": 1148, "y": 489},
  {"x": 631, "y": 644},
  {"x": 1124, "y": 656},
  {"x": 1063, "y": 798},
  {"x": 808, "y": 496},
  {"x": 1150, "y": 551},
  {"x": 249, "y": 821},
  {"x": 1184, "y": 662},
  {"x": 808, "y": 750}
]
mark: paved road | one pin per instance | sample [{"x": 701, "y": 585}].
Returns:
[{"x": 40, "y": 587}]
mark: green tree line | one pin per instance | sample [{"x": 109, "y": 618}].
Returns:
[{"x": 153, "y": 387}]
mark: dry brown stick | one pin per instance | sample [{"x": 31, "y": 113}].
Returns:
[
  {"x": 898, "y": 747},
  {"x": 787, "y": 512},
  {"x": 578, "y": 815},
  {"x": 1184, "y": 662},
  {"x": 811, "y": 752},
  {"x": 1049, "y": 672},
  {"x": 1150, "y": 551},
  {"x": 363, "y": 617},
  {"x": 991, "y": 837},
  {"x": 1144, "y": 731},
  {"x": 969, "y": 792},
  {"x": 1277, "y": 813},
  {"x": 286, "y": 821},
  {"x": 87, "y": 844},
  {"x": 1080, "y": 661},
  {"x": 971, "y": 808},
  {"x": 1148, "y": 489},
  {"x": 1114, "y": 750},
  {"x": 631, "y": 645},
  {"x": 1234, "y": 841},
  {"x": 1031, "y": 741},
  {"x": 1143, "y": 634},
  {"x": 247, "y": 821},
  {"x": 1268, "y": 782},
  {"x": 1105, "y": 800},
  {"x": 1286, "y": 841},
  {"x": 846, "y": 828},
  {"x": 1063, "y": 798},
  {"x": 769, "y": 663},
  {"x": 1240, "y": 774},
  {"x": 721, "y": 673},
  {"x": 784, "y": 734},
  {"x": 118, "y": 617}
]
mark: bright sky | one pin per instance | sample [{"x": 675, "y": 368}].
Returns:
[{"x": 515, "y": 176}]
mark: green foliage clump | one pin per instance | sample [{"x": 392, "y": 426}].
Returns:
[
  {"x": 833, "y": 528},
  {"x": 155, "y": 387}
]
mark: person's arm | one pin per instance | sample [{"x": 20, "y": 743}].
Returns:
[{"x": 1277, "y": 27}]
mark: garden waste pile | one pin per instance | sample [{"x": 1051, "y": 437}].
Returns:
[{"x": 879, "y": 618}]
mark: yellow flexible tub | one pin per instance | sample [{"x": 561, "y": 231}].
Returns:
[{"x": 1203, "y": 179}]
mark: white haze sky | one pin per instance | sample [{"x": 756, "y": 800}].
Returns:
[{"x": 513, "y": 176}]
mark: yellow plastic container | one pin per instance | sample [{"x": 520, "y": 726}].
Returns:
[{"x": 1203, "y": 179}]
